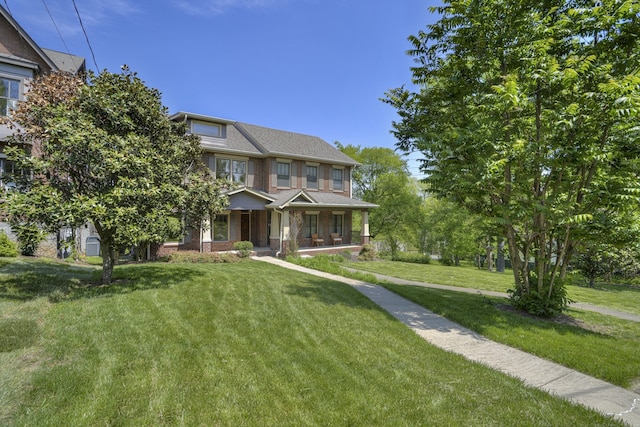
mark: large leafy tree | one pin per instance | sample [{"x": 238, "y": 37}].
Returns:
[
  {"x": 105, "y": 151},
  {"x": 383, "y": 178},
  {"x": 527, "y": 112}
]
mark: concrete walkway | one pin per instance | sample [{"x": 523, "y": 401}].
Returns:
[
  {"x": 532, "y": 370},
  {"x": 582, "y": 306}
]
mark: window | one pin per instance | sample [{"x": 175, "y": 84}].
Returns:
[
  {"x": 223, "y": 168},
  {"x": 337, "y": 179},
  {"x": 312, "y": 177},
  {"x": 239, "y": 168},
  {"x": 310, "y": 224},
  {"x": 336, "y": 224},
  {"x": 6, "y": 173},
  {"x": 9, "y": 95},
  {"x": 284, "y": 174},
  {"x": 232, "y": 170},
  {"x": 206, "y": 129},
  {"x": 220, "y": 228}
]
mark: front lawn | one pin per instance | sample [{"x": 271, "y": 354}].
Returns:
[
  {"x": 233, "y": 344},
  {"x": 618, "y": 297},
  {"x": 601, "y": 346}
]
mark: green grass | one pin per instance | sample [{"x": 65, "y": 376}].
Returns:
[
  {"x": 244, "y": 344},
  {"x": 619, "y": 297},
  {"x": 607, "y": 341}
]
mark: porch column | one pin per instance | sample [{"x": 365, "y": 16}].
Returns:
[
  {"x": 286, "y": 226},
  {"x": 205, "y": 236},
  {"x": 364, "y": 228},
  {"x": 274, "y": 233}
]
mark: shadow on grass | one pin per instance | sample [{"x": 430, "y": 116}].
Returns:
[
  {"x": 479, "y": 312},
  {"x": 26, "y": 280}
]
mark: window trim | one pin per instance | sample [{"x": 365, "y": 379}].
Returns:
[
  {"x": 333, "y": 223},
  {"x": 218, "y": 126},
  {"x": 8, "y": 98},
  {"x": 335, "y": 169},
  {"x": 316, "y": 184},
  {"x": 230, "y": 176},
  {"x": 278, "y": 183}
]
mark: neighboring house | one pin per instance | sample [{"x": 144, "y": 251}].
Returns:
[
  {"x": 283, "y": 182},
  {"x": 21, "y": 61}
]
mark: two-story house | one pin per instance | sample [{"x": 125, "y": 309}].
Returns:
[
  {"x": 287, "y": 185},
  {"x": 21, "y": 61}
]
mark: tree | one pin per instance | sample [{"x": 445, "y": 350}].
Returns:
[
  {"x": 105, "y": 152},
  {"x": 375, "y": 162},
  {"x": 383, "y": 178},
  {"x": 527, "y": 113},
  {"x": 450, "y": 230}
]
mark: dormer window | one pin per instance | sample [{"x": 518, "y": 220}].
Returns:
[
  {"x": 9, "y": 95},
  {"x": 207, "y": 129}
]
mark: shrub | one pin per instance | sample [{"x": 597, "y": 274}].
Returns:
[
  {"x": 29, "y": 237},
  {"x": 534, "y": 302},
  {"x": 413, "y": 257},
  {"x": 367, "y": 253},
  {"x": 244, "y": 248},
  {"x": 200, "y": 257},
  {"x": 7, "y": 247}
]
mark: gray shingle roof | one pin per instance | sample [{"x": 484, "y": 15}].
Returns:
[
  {"x": 253, "y": 140},
  {"x": 313, "y": 200},
  {"x": 65, "y": 61}
]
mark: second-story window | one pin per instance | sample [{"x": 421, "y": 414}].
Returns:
[
  {"x": 284, "y": 174},
  {"x": 337, "y": 179},
  {"x": 312, "y": 177},
  {"x": 9, "y": 95},
  {"x": 232, "y": 170}
]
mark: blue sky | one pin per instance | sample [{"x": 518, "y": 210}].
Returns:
[{"x": 316, "y": 67}]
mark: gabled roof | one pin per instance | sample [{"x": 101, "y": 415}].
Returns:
[
  {"x": 32, "y": 44},
  {"x": 259, "y": 141},
  {"x": 315, "y": 200}
]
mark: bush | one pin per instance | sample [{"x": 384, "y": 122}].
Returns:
[
  {"x": 367, "y": 253},
  {"x": 413, "y": 257},
  {"x": 29, "y": 238},
  {"x": 200, "y": 257},
  {"x": 244, "y": 248},
  {"x": 536, "y": 303},
  {"x": 7, "y": 247}
]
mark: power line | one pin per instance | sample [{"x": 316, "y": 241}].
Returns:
[
  {"x": 86, "y": 36},
  {"x": 59, "y": 33},
  {"x": 7, "y": 6}
]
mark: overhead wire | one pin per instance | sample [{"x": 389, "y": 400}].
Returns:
[
  {"x": 7, "y": 6},
  {"x": 86, "y": 36},
  {"x": 59, "y": 33}
]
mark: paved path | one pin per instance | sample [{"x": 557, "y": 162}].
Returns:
[
  {"x": 532, "y": 370},
  {"x": 582, "y": 306}
]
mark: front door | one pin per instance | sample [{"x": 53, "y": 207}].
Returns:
[{"x": 245, "y": 227}]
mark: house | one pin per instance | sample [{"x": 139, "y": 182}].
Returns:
[
  {"x": 285, "y": 185},
  {"x": 21, "y": 61}
]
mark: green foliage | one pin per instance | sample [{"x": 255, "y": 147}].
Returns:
[
  {"x": 107, "y": 153},
  {"x": 542, "y": 303},
  {"x": 7, "y": 247},
  {"x": 29, "y": 237},
  {"x": 527, "y": 114},
  {"x": 367, "y": 253},
  {"x": 412, "y": 257},
  {"x": 244, "y": 248},
  {"x": 200, "y": 257}
]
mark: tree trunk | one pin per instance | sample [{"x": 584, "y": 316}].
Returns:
[
  {"x": 108, "y": 261},
  {"x": 500, "y": 261}
]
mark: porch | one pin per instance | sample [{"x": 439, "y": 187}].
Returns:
[{"x": 312, "y": 251}]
